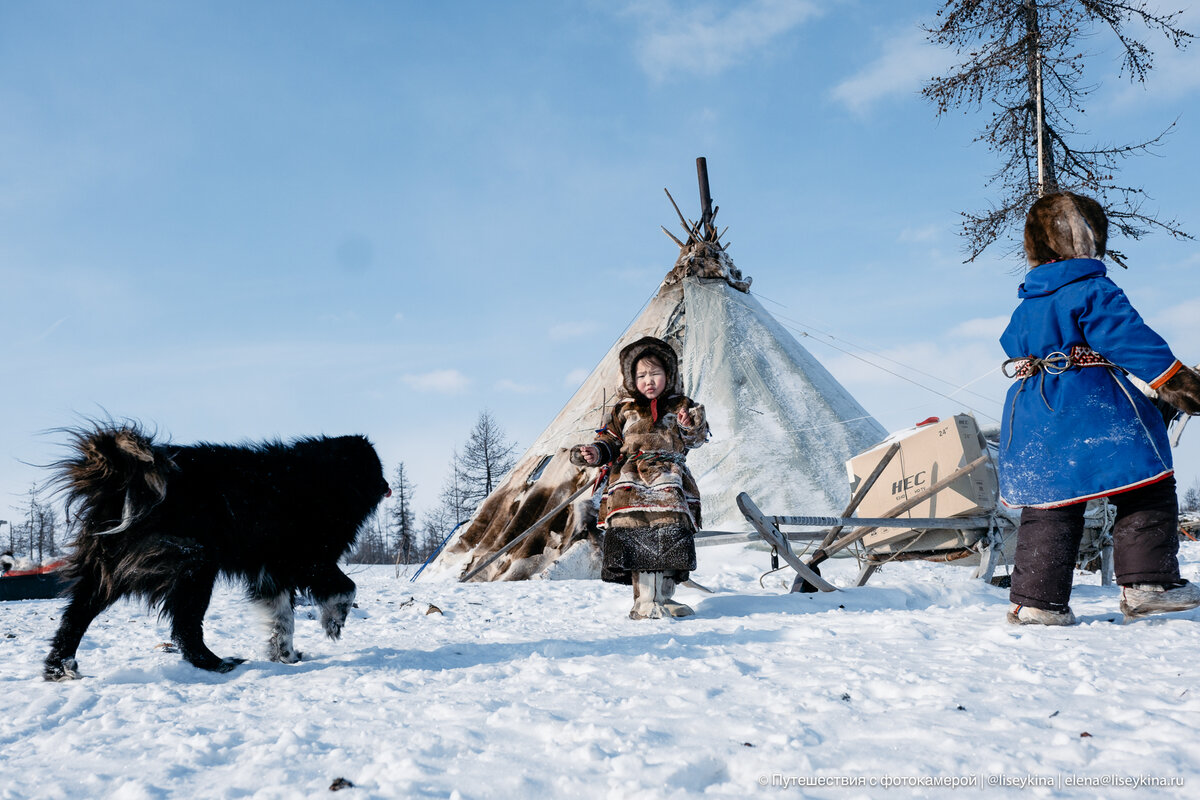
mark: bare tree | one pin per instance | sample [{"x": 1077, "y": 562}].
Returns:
[
  {"x": 1191, "y": 498},
  {"x": 455, "y": 499},
  {"x": 474, "y": 473},
  {"x": 485, "y": 459},
  {"x": 36, "y": 535},
  {"x": 1025, "y": 57},
  {"x": 436, "y": 525},
  {"x": 46, "y": 534},
  {"x": 371, "y": 546},
  {"x": 456, "y": 503},
  {"x": 403, "y": 523}
]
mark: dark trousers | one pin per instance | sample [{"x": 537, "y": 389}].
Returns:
[{"x": 1145, "y": 545}]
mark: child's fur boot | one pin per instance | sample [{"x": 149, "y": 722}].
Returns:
[
  {"x": 648, "y": 596},
  {"x": 674, "y": 607},
  {"x": 1142, "y": 599}
]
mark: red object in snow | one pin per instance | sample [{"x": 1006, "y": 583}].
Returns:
[
  {"x": 42, "y": 570},
  {"x": 39, "y": 583},
  {"x": 927, "y": 421}
]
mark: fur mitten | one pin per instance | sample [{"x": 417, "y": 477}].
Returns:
[
  {"x": 696, "y": 412},
  {"x": 1182, "y": 390}
]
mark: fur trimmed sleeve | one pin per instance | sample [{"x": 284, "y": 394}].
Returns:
[
  {"x": 698, "y": 433},
  {"x": 608, "y": 441}
]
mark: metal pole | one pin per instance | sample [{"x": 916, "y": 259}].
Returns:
[{"x": 931, "y": 523}]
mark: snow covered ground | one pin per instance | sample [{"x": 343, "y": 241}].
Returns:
[{"x": 546, "y": 689}]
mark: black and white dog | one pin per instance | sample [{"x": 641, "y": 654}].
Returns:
[{"x": 162, "y": 522}]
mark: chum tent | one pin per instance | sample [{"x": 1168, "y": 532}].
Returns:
[{"x": 782, "y": 426}]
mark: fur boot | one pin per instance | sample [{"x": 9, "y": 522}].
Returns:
[
  {"x": 674, "y": 607},
  {"x": 1028, "y": 615},
  {"x": 648, "y": 596},
  {"x": 1142, "y": 599}
]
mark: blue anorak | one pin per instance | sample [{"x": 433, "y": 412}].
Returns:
[{"x": 1085, "y": 431}]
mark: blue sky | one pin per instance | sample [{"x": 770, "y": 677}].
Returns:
[{"x": 246, "y": 220}]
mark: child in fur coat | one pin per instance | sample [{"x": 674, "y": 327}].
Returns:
[
  {"x": 1075, "y": 428},
  {"x": 650, "y": 509}
]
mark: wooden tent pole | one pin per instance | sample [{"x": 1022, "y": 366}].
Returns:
[
  {"x": 706, "y": 210},
  {"x": 801, "y": 585},
  {"x": 820, "y": 555},
  {"x": 546, "y": 518}
]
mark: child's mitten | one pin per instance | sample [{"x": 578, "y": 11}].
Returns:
[
  {"x": 696, "y": 413},
  {"x": 1182, "y": 390}
]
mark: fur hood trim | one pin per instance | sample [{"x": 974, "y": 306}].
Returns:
[
  {"x": 649, "y": 345},
  {"x": 1065, "y": 225}
]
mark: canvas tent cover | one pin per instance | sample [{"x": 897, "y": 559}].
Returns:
[{"x": 782, "y": 429}]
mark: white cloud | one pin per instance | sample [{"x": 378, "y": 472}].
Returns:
[
  {"x": 442, "y": 381},
  {"x": 705, "y": 39},
  {"x": 906, "y": 61},
  {"x": 923, "y": 234},
  {"x": 1180, "y": 325},
  {"x": 988, "y": 328},
  {"x": 399, "y": 317},
  {"x": 338, "y": 318},
  {"x": 575, "y": 377},
  {"x": 506, "y": 385},
  {"x": 571, "y": 330}
]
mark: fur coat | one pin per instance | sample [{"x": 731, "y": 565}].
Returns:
[{"x": 650, "y": 508}]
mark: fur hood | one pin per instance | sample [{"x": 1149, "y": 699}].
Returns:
[
  {"x": 649, "y": 345},
  {"x": 1065, "y": 225}
]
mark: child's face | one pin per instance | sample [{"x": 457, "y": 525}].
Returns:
[{"x": 650, "y": 378}]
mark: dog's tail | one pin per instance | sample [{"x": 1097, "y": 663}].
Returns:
[{"x": 116, "y": 475}]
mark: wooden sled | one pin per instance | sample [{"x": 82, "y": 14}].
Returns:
[{"x": 941, "y": 540}]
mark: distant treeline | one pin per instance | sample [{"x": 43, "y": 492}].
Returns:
[{"x": 394, "y": 535}]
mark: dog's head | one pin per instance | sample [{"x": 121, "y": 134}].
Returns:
[
  {"x": 358, "y": 468},
  {"x": 360, "y": 451}
]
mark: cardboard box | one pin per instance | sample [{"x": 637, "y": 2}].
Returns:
[{"x": 927, "y": 455}]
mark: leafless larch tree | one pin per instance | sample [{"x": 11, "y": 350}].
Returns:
[{"x": 1026, "y": 58}]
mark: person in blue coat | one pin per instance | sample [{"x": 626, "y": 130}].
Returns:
[{"x": 1076, "y": 428}]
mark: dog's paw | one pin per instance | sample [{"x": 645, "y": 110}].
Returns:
[
  {"x": 228, "y": 664},
  {"x": 281, "y": 649},
  {"x": 334, "y": 612},
  {"x": 333, "y": 626},
  {"x": 65, "y": 670},
  {"x": 286, "y": 656}
]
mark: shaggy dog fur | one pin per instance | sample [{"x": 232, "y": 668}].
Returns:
[{"x": 162, "y": 522}]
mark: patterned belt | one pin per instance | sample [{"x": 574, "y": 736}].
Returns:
[
  {"x": 1055, "y": 363},
  {"x": 658, "y": 456}
]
